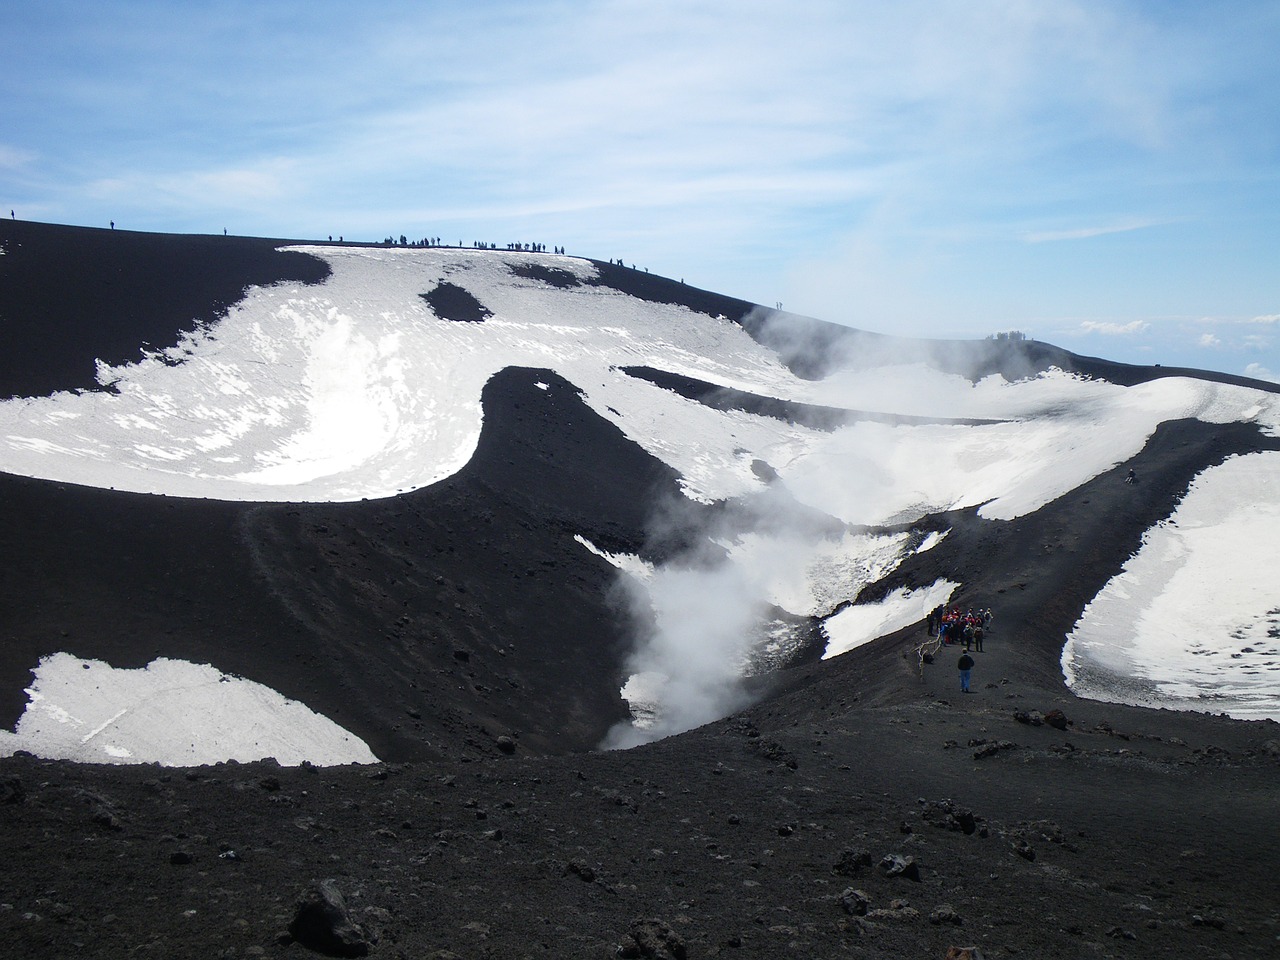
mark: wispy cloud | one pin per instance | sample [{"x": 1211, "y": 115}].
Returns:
[
  {"x": 1110, "y": 329},
  {"x": 13, "y": 158},
  {"x": 1209, "y": 340},
  {"x": 1086, "y": 233}
]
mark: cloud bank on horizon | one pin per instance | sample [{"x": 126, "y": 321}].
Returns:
[{"x": 1102, "y": 176}]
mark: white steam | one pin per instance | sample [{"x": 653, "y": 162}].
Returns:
[
  {"x": 702, "y": 623},
  {"x": 733, "y": 603}
]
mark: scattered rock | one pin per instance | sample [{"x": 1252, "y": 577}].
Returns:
[
  {"x": 322, "y": 923},
  {"x": 851, "y": 862},
  {"x": 963, "y": 953},
  {"x": 948, "y": 815},
  {"x": 988, "y": 749},
  {"x": 1119, "y": 933},
  {"x": 773, "y": 750},
  {"x": 1023, "y": 849},
  {"x": 855, "y": 902},
  {"x": 505, "y": 745},
  {"x": 652, "y": 940},
  {"x": 945, "y": 913},
  {"x": 897, "y": 910},
  {"x": 897, "y": 865},
  {"x": 1057, "y": 719},
  {"x": 180, "y": 858},
  {"x": 1032, "y": 718}
]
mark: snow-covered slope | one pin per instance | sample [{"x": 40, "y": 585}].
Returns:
[{"x": 368, "y": 386}]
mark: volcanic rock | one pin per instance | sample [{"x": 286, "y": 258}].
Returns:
[
  {"x": 897, "y": 865},
  {"x": 322, "y": 923}
]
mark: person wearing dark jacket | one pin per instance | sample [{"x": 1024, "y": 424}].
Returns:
[{"x": 966, "y": 665}]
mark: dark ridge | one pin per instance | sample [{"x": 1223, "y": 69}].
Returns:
[
  {"x": 809, "y": 415},
  {"x": 814, "y": 349},
  {"x": 551, "y": 276},
  {"x": 450, "y": 302},
  {"x": 655, "y": 289},
  {"x": 1128, "y": 375},
  {"x": 70, "y": 296}
]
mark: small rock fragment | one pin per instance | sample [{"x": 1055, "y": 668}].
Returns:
[
  {"x": 896, "y": 865},
  {"x": 851, "y": 862},
  {"x": 945, "y": 913}
]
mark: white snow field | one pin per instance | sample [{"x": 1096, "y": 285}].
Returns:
[
  {"x": 169, "y": 712},
  {"x": 355, "y": 388},
  {"x": 1193, "y": 621}
]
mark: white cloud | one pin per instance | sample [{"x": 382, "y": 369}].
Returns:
[
  {"x": 1267, "y": 318},
  {"x": 234, "y": 187},
  {"x": 1115, "y": 329},
  {"x": 13, "y": 158},
  {"x": 1259, "y": 372},
  {"x": 1209, "y": 340}
]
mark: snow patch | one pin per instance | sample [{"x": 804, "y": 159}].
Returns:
[
  {"x": 170, "y": 712},
  {"x": 861, "y": 623}
]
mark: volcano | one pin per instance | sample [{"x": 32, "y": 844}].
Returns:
[{"x": 513, "y": 604}]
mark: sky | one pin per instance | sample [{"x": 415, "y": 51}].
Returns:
[{"x": 1104, "y": 176}]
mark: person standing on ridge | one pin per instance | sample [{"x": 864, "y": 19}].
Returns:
[{"x": 965, "y": 664}]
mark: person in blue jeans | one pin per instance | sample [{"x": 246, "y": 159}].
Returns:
[{"x": 966, "y": 665}]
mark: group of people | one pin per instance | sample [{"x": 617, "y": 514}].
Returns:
[
  {"x": 951, "y": 625},
  {"x": 477, "y": 244}
]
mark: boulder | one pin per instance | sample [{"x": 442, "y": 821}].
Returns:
[
  {"x": 855, "y": 902},
  {"x": 322, "y": 923},
  {"x": 1057, "y": 719}
]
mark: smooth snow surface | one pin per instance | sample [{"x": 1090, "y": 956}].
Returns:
[
  {"x": 1193, "y": 621},
  {"x": 169, "y": 712},
  {"x": 355, "y": 388}
]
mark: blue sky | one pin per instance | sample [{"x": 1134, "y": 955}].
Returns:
[{"x": 1101, "y": 175}]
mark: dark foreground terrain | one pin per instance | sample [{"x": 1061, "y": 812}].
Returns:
[
  {"x": 1129, "y": 834},
  {"x": 859, "y": 808}
]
